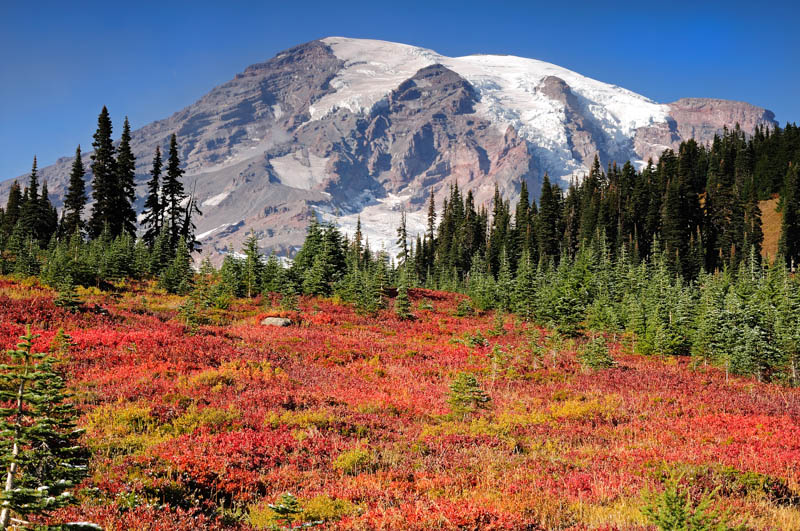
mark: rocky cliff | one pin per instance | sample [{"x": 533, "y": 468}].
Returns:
[{"x": 341, "y": 128}]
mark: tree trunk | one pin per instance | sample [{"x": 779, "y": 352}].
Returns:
[{"x": 12, "y": 469}]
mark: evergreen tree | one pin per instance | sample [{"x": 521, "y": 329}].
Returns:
[
  {"x": 402, "y": 305},
  {"x": 402, "y": 240},
  {"x": 466, "y": 395},
  {"x": 548, "y": 220},
  {"x": 524, "y": 297},
  {"x": 253, "y": 266},
  {"x": 13, "y": 209},
  {"x": 178, "y": 276},
  {"x": 789, "y": 245},
  {"x": 153, "y": 215},
  {"x": 173, "y": 194},
  {"x": 47, "y": 217},
  {"x": 104, "y": 185},
  {"x": 75, "y": 200},
  {"x": 124, "y": 186},
  {"x": 39, "y": 449}
]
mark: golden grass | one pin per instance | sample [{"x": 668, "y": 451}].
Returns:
[{"x": 771, "y": 225}]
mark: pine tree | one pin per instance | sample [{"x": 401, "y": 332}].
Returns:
[
  {"x": 12, "y": 211},
  {"x": 30, "y": 208},
  {"x": 402, "y": 305},
  {"x": 153, "y": 215},
  {"x": 402, "y": 240},
  {"x": 253, "y": 266},
  {"x": 124, "y": 188},
  {"x": 67, "y": 297},
  {"x": 549, "y": 220},
  {"x": 105, "y": 176},
  {"x": 75, "y": 200},
  {"x": 46, "y": 217},
  {"x": 525, "y": 288},
  {"x": 789, "y": 245},
  {"x": 173, "y": 194},
  {"x": 178, "y": 276},
  {"x": 39, "y": 449},
  {"x": 466, "y": 395}
]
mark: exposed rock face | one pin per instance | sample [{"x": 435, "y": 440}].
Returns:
[
  {"x": 701, "y": 119},
  {"x": 346, "y": 127}
]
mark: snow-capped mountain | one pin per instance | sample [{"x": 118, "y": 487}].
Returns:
[{"x": 341, "y": 128}]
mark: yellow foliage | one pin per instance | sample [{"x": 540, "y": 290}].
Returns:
[
  {"x": 122, "y": 430},
  {"x": 581, "y": 408},
  {"x": 321, "y": 508},
  {"x": 622, "y": 513},
  {"x": 210, "y": 417}
]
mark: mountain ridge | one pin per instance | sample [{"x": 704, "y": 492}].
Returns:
[{"x": 342, "y": 127}]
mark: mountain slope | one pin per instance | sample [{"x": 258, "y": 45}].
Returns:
[{"x": 346, "y": 127}]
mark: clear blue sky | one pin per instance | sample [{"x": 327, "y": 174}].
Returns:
[{"x": 60, "y": 62}]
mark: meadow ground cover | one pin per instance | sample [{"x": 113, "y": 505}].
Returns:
[{"x": 348, "y": 421}]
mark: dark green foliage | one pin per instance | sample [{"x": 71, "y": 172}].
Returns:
[
  {"x": 178, "y": 276},
  {"x": 402, "y": 304},
  {"x": 67, "y": 297},
  {"x": 466, "y": 395},
  {"x": 173, "y": 194},
  {"x": 12, "y": 211},
  {"x": 252, "y": 267},
  {"x": 40, "y": 452},
  {"x": 75, "y": 200},
  {"x": 789, "y": 246},
  {"x": 675, "y": 510},
  {"x": 124, "y": 216},
  {"x": 104, "y": 184},
  {"x": 153, "y": 212},
  {"x": 594, "y": 354}
]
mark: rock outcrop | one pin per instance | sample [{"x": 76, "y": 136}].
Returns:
[{"x": 345, "y": 127}]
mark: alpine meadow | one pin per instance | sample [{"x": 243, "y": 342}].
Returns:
[{"x": 367, "y": 285}]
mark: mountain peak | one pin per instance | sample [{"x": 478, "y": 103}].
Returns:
[{"x": 341, "y": 127}]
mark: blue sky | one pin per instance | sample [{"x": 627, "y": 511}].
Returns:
[{"x": 60, "y": 62}]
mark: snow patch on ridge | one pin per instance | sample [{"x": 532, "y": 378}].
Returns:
[
  {"x": 508, "y": 92},
  {"x": 379, "y": 221},
  {"x": 300, "y": 169},
  {"x": 216, "y": 200}
]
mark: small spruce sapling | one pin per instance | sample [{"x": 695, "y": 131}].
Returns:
[
  {"x": 466, "y": 395},
  {"x": 595, "y": 355}
]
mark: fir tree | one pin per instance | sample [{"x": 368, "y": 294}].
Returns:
[
  {"x": 124, "y": 187},
  {"x": 253, "y": 266},
  {"x": 40, "y": 449},
  {"x": 173, "y": 194},
  {"x": 178, "y": 276},
  {"x": 75, "y": 200},
  {"x": 67, "y": 297},
  {"x": 13, "y": 208},
  {"x": 525, "y": 288},
  {"x": 548, "y": 220},
  {"x": 402, "y": 240},
  {"x": 789, "y": 245},
  {"x": 153, "y": 215},
  {"x": 466, "y": 395},
  {"x": 402, "y": 305},
  {"x": 104, "y": 184}
]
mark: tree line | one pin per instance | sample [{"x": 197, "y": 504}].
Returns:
[
  {"x": 670, "y": 252},
  {"x": 103, "y": 246}
]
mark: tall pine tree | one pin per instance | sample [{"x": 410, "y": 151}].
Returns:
[
  {"x": 105, "y": 176},
  {"x": 75, "y": 200}
]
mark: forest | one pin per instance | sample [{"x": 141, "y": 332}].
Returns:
[{"x": 602, "y": 310}]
